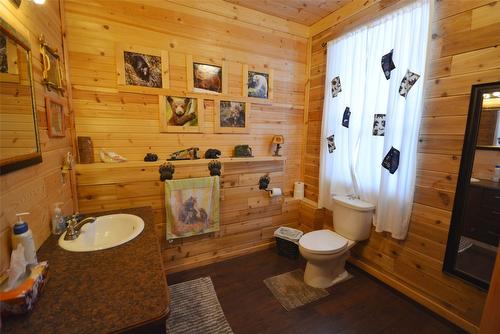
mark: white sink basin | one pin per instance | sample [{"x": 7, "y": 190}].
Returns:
[{"x": 106, "y": 232}]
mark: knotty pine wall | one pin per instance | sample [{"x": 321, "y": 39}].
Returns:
[
  {"x": 463, "y": 51},
  {"x": 128, "y": 123},
  {"x": 35, "y": 189}
]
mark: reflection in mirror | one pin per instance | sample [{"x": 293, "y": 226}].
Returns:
[
  {"x": 475, "y": 227},
  {"x": 19, "y": 145},
  {"x": 489, "y": 124}
]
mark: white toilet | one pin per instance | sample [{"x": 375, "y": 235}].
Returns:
[{"x": 326, "y": 251}]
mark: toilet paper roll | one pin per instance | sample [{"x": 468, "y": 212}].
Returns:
[
  {"x": 298, "y": 190},
  {"x": 275, "y": 192}
]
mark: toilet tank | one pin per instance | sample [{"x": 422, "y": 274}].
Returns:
[{"x": 352, "y": 217}]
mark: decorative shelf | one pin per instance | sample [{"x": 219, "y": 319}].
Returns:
[{"x": 98, "y": 165}]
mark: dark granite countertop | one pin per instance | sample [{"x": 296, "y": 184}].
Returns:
[{"x": 104, "y": 291}]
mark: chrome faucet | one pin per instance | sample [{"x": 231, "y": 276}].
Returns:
[{"x": 74, "y": 226}]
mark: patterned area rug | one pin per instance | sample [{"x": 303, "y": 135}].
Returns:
[
  {"x": 195, "y": 309},
  {"x": 291, "y": 291}
]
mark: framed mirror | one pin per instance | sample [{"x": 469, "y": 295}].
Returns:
[
  {"x": 19, "y": 137},
  {"x": 475, "y": 223}
]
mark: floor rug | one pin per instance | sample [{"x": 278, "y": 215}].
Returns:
[
  {"x": 291, "y": 291},
  {"x": 194, "y": 308}
]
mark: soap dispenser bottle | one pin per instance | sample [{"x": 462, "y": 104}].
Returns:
[
  {"x": 58, "y": 225},
  {"x": 22, "y": 234}
]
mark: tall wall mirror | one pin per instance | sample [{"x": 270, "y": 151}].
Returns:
[
  {"x": 19, "y": 138},
  {"x": 475, "y": 223}
]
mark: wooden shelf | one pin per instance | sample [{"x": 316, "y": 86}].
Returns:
[{"x": 98, "y": 165}]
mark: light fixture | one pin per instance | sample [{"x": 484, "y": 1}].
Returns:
[
  {"x": 278, "y": 140},
  {"x": 496, "y": 94},
  {"x": 486, "y": 96},
  {"x": 39, "y": 2}
]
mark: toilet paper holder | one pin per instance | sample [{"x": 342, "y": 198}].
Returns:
[{"x": 264, "y": 183}]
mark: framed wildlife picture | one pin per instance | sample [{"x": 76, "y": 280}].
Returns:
[
  {"x": 141, "y": 69},
  {"x": 232, "y": 116},
  {"x": 257, "y": 84},
  {"x": 206, "y": 77},
  {"x": 192, "y": 206},
  {"x": 55, "y": 116},
  {"x": 181, "y": 114},
  {"x": 52, "y": 72}
]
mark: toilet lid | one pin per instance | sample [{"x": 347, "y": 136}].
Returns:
[{"x": 323, "y": 242}]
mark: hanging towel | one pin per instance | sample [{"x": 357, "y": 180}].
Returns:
[{"x": 192, "y": 206}]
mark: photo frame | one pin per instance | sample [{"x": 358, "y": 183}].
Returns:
[
  {"x": 56, "y": 122},
  {"x": 181, "y": 113},
  {"x": 52, "y": 74},
  {"x": 258, "y": 84},
  {"x": 231, "y": 116},
  {"x": 204, "y": 76},
  {"x": 141, "y": 69}
]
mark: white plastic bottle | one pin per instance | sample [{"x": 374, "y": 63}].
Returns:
[
  {"x": 22, "y": 234},
  {"x": 58, "y": 225}
]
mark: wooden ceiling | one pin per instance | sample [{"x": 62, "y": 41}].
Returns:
[{"x": 301, "y": 11}]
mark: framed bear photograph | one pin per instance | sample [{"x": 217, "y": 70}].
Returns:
[
  {"x": 232, "y": 116},
  {"x": 257, "y": 84},
  {"x": 206, "y": 76},
  {"x": 141, "y": 69},
  {"x": 181, "y": 114}
]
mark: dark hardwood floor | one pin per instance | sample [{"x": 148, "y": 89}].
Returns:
[{"x": 360, "y": 305}]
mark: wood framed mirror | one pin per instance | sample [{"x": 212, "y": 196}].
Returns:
[
  {"x": 475, "y": 223},
  {"x": 19, "y": 137}
]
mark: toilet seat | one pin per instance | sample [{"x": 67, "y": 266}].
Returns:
[{"x": 323, "y": 242}]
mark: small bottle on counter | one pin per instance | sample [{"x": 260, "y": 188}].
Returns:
[
  {"x": 58, "y": 225},
  {"x": 21, "y": 234}
]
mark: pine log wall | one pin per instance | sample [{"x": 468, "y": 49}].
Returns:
[
  {"x": 463, "y": 51},
  {"x": 128, "y": 123},
  {"x": 35, "y": 189}
]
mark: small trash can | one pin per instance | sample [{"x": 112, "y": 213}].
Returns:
[{"x": 287, "y": 242}]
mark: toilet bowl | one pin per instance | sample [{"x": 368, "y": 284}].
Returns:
[{"x": 326, "y": 251}]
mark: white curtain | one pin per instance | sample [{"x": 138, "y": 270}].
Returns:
[{"x": 354, "y": 167}]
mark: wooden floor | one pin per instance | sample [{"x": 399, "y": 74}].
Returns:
[{"x": 360, "y": 305}]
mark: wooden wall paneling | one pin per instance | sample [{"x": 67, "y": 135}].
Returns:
[
  {"x": 463, "y": 51},
  {"x": 35, "y": 189},
  {"x": 248, "y": 215}
]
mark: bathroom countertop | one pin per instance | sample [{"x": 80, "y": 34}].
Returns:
[{"x": 113, "y": 290}]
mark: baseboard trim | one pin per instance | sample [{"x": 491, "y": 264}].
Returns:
[
  {"x": 416, "y": 296},
  {"x": 219, "y": 258}
]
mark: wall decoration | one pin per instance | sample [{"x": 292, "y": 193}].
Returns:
[
  {"x": 181, "y": 114},
  {"x": 243, "y": 151},
  {"x": 206, "y": 76},
  {"x": 52, "y": 72},
  {"x": 141, "y": 69},
  {"x": 214, "y": 167},
  {"x": 388, "y": 64},
  {"x": 55, "y": 116},
  {"x": 258, "y": 83},
  {"x": 192, "y": 206},
  {"x": 167, "y": 171},
  {"x": 378, "y": 124},
  {"x": 336, "y": 86},
  {"x": 407, "y": 83},
  {"x": 232, "y": 116}
]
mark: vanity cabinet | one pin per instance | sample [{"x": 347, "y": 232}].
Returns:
[{"x": 482, "y": 218}]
